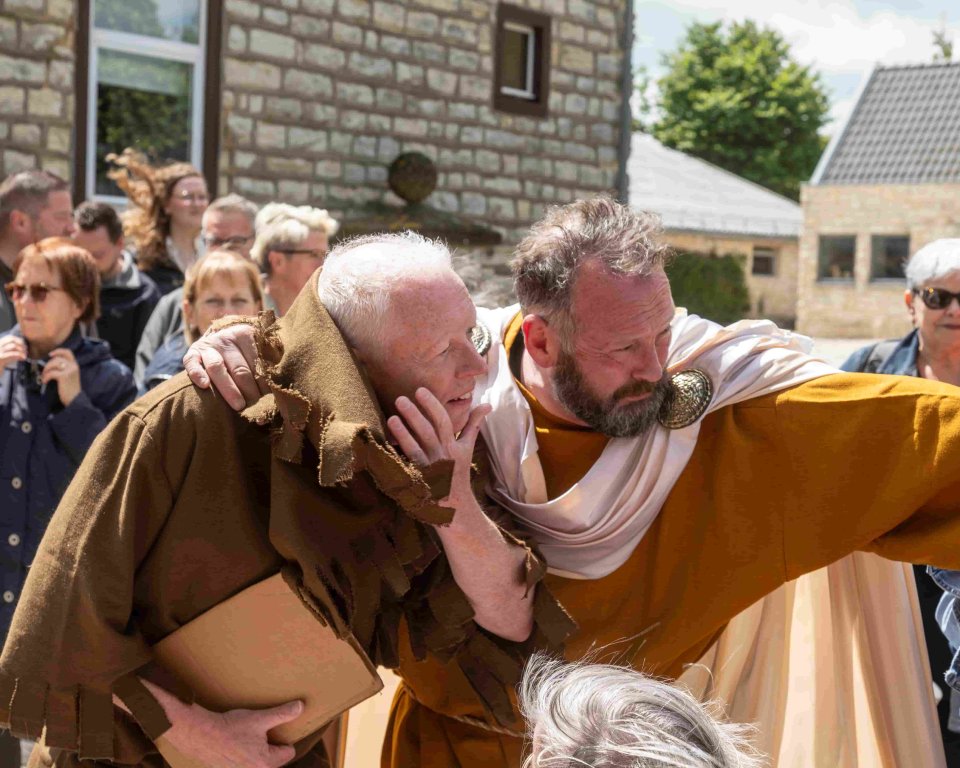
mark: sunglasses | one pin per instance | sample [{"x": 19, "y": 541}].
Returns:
[
  {"x": 936, "y": 298},
  {"x": 38, "y": 291}
]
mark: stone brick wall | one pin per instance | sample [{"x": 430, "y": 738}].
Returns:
[
  {"x": 771, "y": 296},
  {"x": 319, "y": 96},
  {"x": 861, "y": 307},
  {"x": 36, "y": 85}
]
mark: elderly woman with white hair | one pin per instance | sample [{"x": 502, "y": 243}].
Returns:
[
  {"x": 292, "y": 242},
  {"x": 931, "y": 351},
  {"x": 607, "y": 716}
]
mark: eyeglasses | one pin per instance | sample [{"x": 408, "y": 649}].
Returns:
[
  {"x": 37, "y": 291},
  {"x": 936, "y": 298},
  {"x": 193, "y": 197},
  {"x": 226, "y": 242},
  {"x": 313, "y": 253}
]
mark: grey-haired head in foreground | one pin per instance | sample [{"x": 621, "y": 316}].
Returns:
[{"x": 607, "y": 716}]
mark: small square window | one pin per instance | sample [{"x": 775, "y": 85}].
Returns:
[
  {"x": 521, "y": 61},
  {"x": 836, "y": 257},
  {"x": 888, "y": 254},
  {"x": 764, "y": 261}
]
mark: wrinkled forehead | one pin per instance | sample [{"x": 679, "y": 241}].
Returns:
[
  {"x": 437, "y": 297},
  {"x": 602, "y": 299},
  {"x": 227, "y": 219}
]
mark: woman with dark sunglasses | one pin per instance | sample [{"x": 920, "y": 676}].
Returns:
[
  {"x": 58, "y": 390},
  {"x": 931, "y": 351}
]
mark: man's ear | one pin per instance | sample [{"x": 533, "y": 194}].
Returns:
[
  {"x": 541, "y": 341},
  {"x": 277, "y": 261},
  {"x": 21, "y": 225}
]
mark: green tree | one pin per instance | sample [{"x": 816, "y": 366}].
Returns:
[
  {"x": 735, "y": 98},
  {"x": 642, "y": 105},
  {"x": 943, "y": 45}
]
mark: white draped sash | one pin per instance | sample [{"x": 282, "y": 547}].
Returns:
[{"x": 590, "y": 531}]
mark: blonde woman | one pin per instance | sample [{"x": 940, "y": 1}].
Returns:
[
  {"x": 221, "y": 283},
  {"x": 163, "y": 222}
]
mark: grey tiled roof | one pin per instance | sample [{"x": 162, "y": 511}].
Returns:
[
  {"x": 692, "y": 195},
  {"x": 905, "y": 128}
]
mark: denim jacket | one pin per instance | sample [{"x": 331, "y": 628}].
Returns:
[{"x": 902, "y": 361}]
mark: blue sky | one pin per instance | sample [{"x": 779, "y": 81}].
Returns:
[{"x": 841, "y": 39}]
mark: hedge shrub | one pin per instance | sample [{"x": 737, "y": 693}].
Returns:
[{"x": 709, "y": 285}]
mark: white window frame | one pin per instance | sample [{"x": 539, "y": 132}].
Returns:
[
  {"x": 144, "y": 45},
  {"x": 531, "y": 33}
]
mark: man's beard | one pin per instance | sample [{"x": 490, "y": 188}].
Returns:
[{"x": 607, "y": 415}]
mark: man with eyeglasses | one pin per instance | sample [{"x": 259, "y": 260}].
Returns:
[
  {"x": 291, "y": 243},
  {"x": 228, "y": 224},
  {"x": 33, "y": 205}
]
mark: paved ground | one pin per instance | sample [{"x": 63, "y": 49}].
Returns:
[{"x": 835, "y": 351}]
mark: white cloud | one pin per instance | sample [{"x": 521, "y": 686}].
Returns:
[{"x": 831, "y": 35}]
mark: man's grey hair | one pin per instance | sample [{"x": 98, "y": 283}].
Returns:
[
  {"x": 547, "y": 261},
  {"x": 280, "y": 226},
  {"x": 606, "y": 716},
  {"x": 932, "y": 262},
  {"x": 360, "y": 274},
  {"x": 233, "y": 203}
]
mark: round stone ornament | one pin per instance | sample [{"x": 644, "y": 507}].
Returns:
[{"x": 412, "y": 176}]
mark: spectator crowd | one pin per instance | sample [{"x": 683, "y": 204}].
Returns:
[{"x": 99, "y": 307}]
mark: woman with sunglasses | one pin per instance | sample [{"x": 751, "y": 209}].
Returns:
[
  {"x": 164, "y": 219},
  {"x": 58, "y": 390},
  {"x": 931, "y": 351}
]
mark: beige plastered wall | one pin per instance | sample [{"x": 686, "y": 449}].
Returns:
[
  {"x": 771, "y": 296},
  {"x": 865, "y": 308}
]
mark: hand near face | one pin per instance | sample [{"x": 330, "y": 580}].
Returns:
[
  {"x": 424, "y": 432},
  {"x": 226, "y": 359},
  {"x": 13, "y": 349},
  {"x": 63, "y": 369}
]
